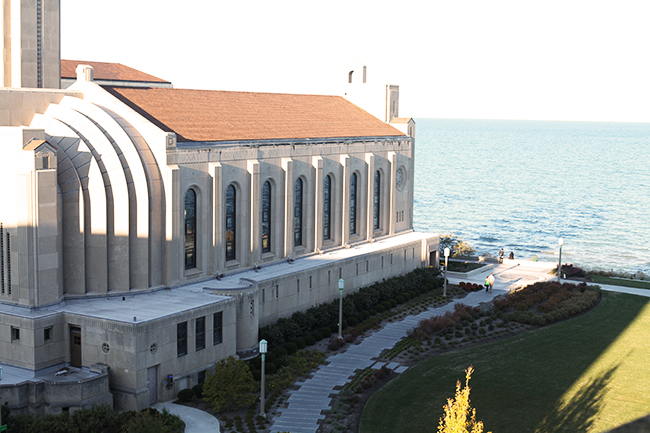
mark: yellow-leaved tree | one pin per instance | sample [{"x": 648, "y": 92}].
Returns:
[{"x": 459, "y": 417}]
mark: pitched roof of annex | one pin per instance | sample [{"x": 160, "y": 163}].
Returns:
[
  {"x": 213, "y": 116},
  {"x": 108, "y": 71}
]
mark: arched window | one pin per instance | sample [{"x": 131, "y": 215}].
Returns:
[
  {"x": 353, "y": 204},
  {"x": 377, "y": 196},
  {"x": 190, "y": 229},
  {"x": 327, "y": 207},
  {"x": 266, "y": 217},
  {"x": 297, "y": 212},
  {"x": 231, "y": 222}
]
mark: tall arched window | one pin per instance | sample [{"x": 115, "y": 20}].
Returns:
[
  {"x": 327, "y": 207},
  {"x": 353, "y": 204},
  {"x": 297, "y": 212},
  {"x": 266, "y": 217},
  {"x": 190, "y": 229},
  {"x": 231, "y": 222},
  {"x": 377, "y": 196}
]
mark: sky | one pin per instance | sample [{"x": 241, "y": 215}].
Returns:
[{"x": 497, "y": 59}]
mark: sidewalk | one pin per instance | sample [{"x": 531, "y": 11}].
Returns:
[
  {"x": 314, "y": 395},
  {"x": 196, "y": 420}
]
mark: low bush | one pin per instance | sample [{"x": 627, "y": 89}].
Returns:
[
  {"x": 300, "y": 343},
  {"x": 310, "y": 341},
  {"x": 325, "y": 331},
  {"x": 186, "y": 395},
  {"x": 317, "y": 336},
  {"x": 198, "y": 390},
  {"x": 353, "y": 322}
]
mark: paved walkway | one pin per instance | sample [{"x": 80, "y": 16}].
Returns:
[
  {"x": 196, "y": 420},
  {"x": 314, "y": 395}
]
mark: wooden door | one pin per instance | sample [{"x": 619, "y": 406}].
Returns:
[{"x": 75, "y": 347}]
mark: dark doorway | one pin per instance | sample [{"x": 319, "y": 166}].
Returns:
[
  {"x": 75, "y": 347},
  {"x": 152, "y": 384}
]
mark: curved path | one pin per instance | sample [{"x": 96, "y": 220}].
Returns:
[{"x": 306, "y": 404}]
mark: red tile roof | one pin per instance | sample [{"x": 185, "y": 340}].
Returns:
[
  {"x": 107, "y": 71},
  {"x": 208, "y": 115}
]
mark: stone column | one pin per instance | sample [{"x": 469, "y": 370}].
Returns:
[
  {"x": 217, "y": 248},
  {"x": 370, "y": 202},
  {"x": 345, "y": 199},
  {"x": 287, "y": 166},
  {"x": 255, "y": 256},
  {"x": 317, "y": 163}
]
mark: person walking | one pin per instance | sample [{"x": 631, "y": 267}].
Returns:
[
  {"x": 501, "y": 256},
  {"x": 487, "y": 284},
  {"x": 490, "y": 281}
]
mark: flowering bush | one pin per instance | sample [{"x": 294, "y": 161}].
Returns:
[
  {"x": 471, "y": 287},
  {"x": 336, "y": 343},
  {"x": 547, "y": 302},
  {"x": 367, "y": 378}
]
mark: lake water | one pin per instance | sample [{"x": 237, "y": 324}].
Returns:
[{"x": 520, "y": 185}]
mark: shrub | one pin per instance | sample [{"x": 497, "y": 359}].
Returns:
[
  {"x": 280, "y": 352},
  {"x": 254, "y": 364},
  {"x": 291, "y": 348},
  {"x": 334, "y": 327},
  {"x": 300, "y": 343},
  {"x": 198, "y": 390},
  {"x": 257, "y": 375},
  {"x": 393, "y": 303},
  {"x": 325, "y": 331},
  {"x": 400, "y": 299},
  {"x": 186, "y": 395},
  {"x": 317, "y": 336},
  {"x": 270, "y": 368},
  {"x": 353, "y": 322},
  {"x": 310, "y": 340},
  {"x": 379, "y": 308},
  {"x": 229, "y": 385},
  {"x": 365, "y": 314},
  {"x": 373, "y": 312},
  {"x": 387, "y": 305}
]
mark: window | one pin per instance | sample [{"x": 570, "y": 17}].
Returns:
[
  {"x": 190, "y": 229},
  {"x": 266, "y": 217},
  {"x": 15, "y": 334},
  {"x": 2, "y": 260},
  {"x": 200, "y": 377},
  {"x": 327, "y": 207},
  {"x": 353, "y": 203},
  {"x": 47, "y": 334},
  {"x": 377, "y": 202},
  {"x": 297, "y": 212},
  {"x": 200, "y": 333},
  {"x": 231, "y": 222},
  {"x": 181, "y": 339},
  {"x": 217, "y": 328}
]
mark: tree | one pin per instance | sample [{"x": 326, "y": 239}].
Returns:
[
  {"x": 459, "y": 417},
  {"x": 230, "y": 385},
  {"x": 457, "y": 246}
]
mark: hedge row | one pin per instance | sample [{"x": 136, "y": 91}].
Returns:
[{"x": 358, "y": 306}]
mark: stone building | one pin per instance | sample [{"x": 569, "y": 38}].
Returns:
[{"x": 147, "y": 232}]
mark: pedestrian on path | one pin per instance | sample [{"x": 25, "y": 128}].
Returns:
[
  {"x": 487, "y": 284},
  {"x": 501, "y": 256},
  {"x": 490, "y": 281}
]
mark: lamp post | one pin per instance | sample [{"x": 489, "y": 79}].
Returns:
[
  {"x": 559, "y": 264},
  {"x": 444, "y": 292},
  {"x": 341, "y": 287},
  {"x": 263, "y": 353}
]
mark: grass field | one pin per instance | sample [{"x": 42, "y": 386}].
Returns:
[
  {"x": 587, "y": 374},
  {"x": 638, "y": 284}
]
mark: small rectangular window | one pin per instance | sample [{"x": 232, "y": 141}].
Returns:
[
  {"x": 200, "y": 377},
  {"x": 15, "y": 334},
  {"x": 310, "y": 281},
  {"x": 366, "y": 265},
  {"x": 298, "y": 285},
  {"x": 340, "y": 273},
  {"x": 329, "y": 279},
  {"x": 277, "y": 291},
  {"x": 357, "y": 269},
  {"x": 263, "y": 295},
  {"x": 47, "y": 334},
  {"x": 217, "y": 329},
  {"x": 181, "y": 339},
  {"x": 200, "y": 333}
]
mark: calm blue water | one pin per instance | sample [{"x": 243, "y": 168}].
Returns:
[{"x": 521, "y": 185}]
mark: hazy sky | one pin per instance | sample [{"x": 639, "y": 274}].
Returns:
[{"x": 496, "y": 59}]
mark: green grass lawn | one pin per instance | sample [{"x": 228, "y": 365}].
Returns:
[
  {"x": 587, "y": 374},
  {"x": 599, "y": 279}
]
